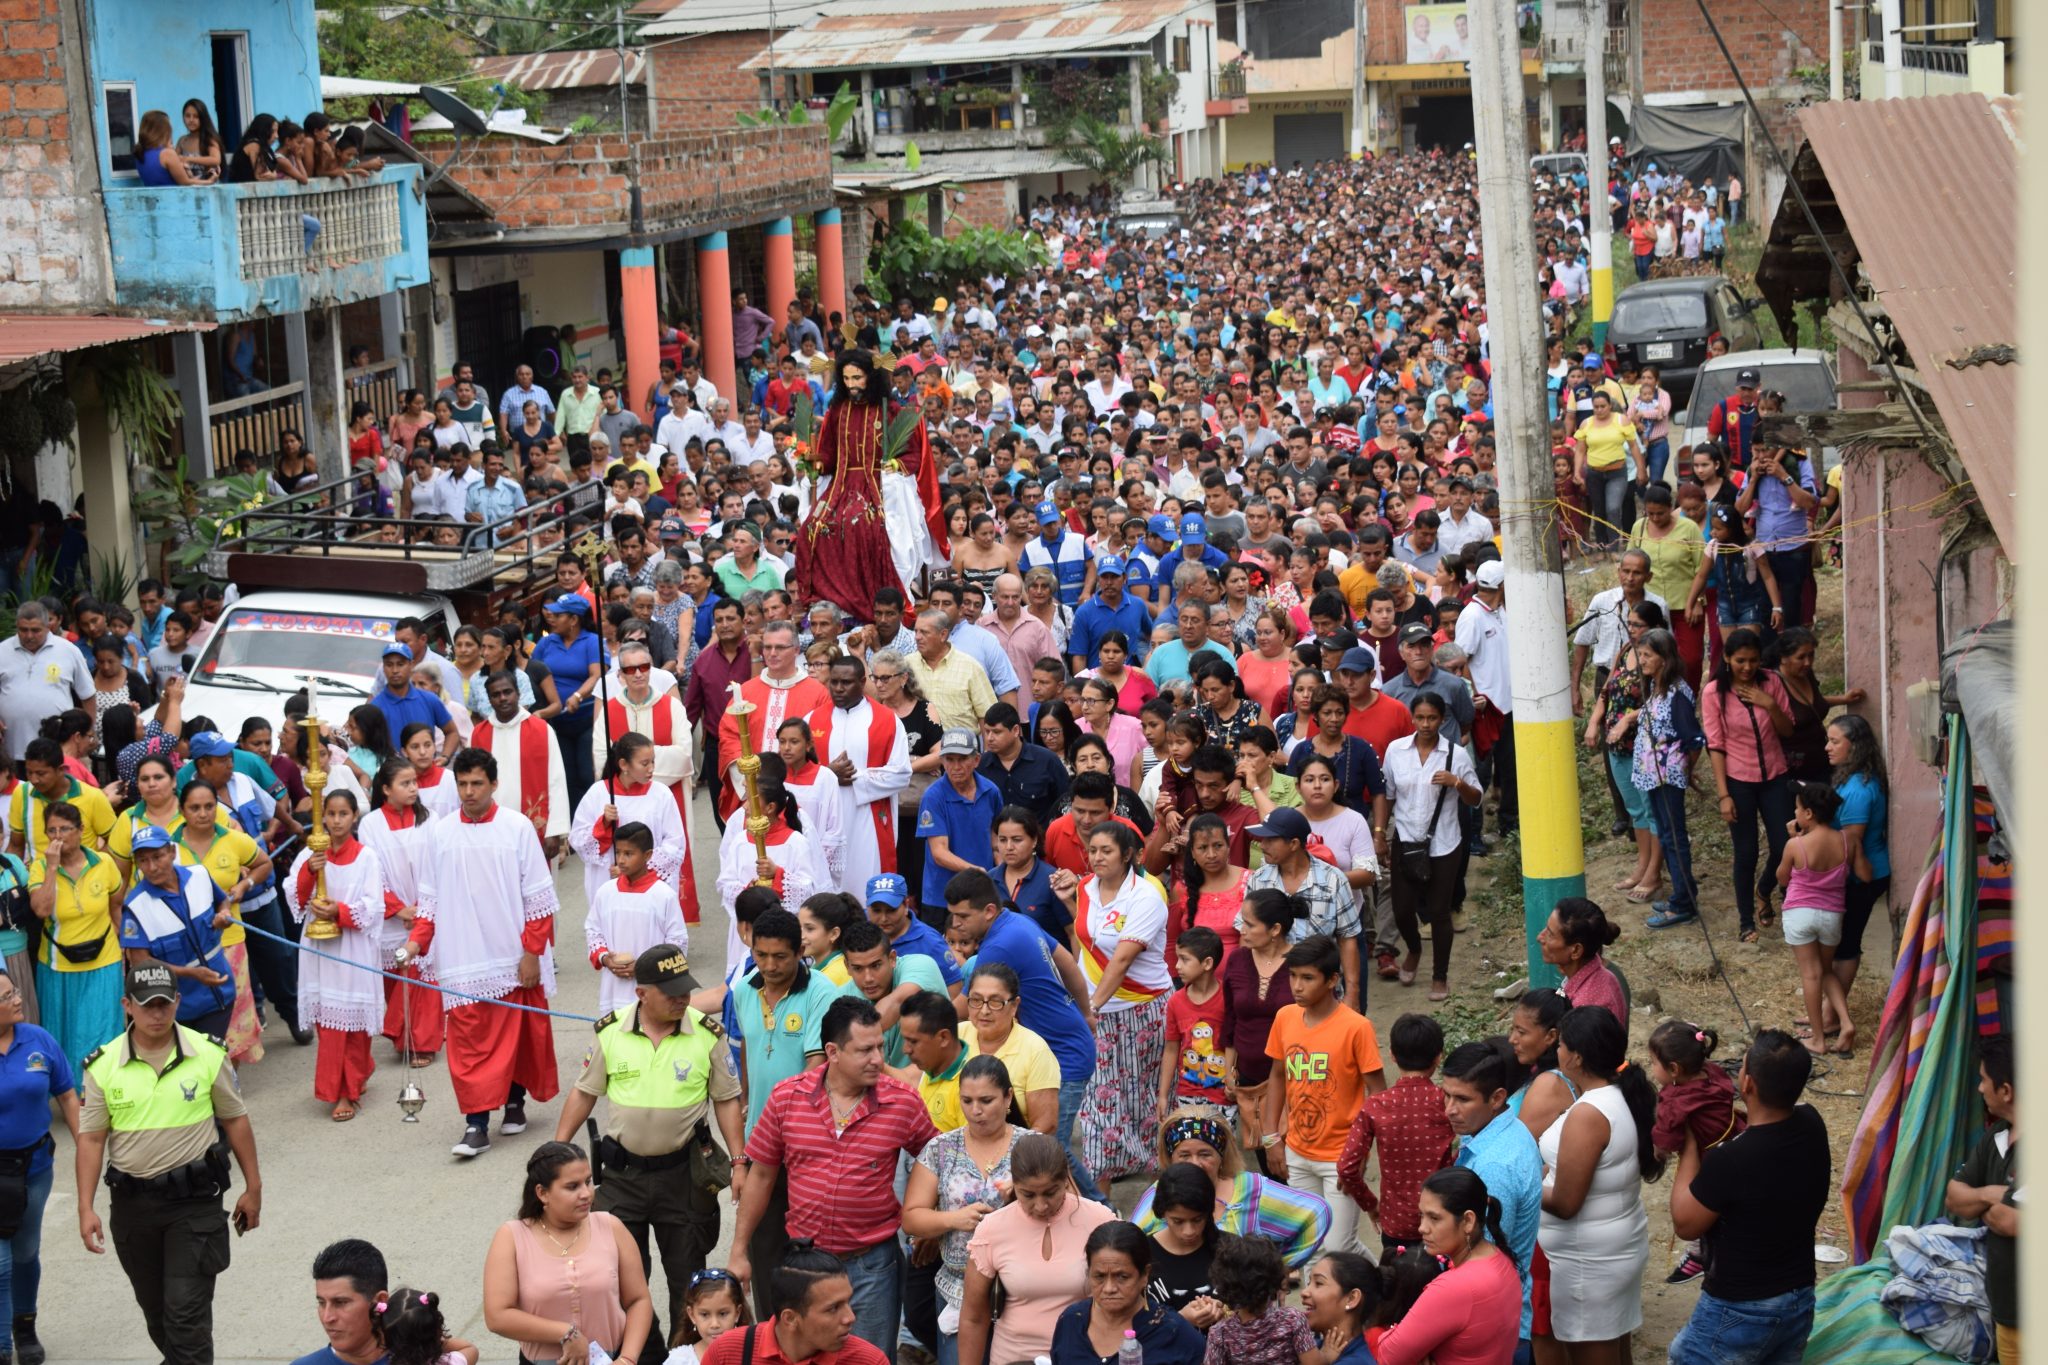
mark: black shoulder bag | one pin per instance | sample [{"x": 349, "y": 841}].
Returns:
[{"x": 1413, "y": 855}]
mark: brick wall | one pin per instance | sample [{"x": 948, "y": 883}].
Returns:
[
  {"x": 1679, "y": 53},
  {"x": 736, "y": 174},
  {"x": 44, "y": 219},
  {"x": 985, "y": 203},
  {"x": 1386, "y": 31},
  {"x": 697, "y": 82}
]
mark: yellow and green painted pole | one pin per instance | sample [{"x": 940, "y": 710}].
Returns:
[{"x": 1546, "y": 763}]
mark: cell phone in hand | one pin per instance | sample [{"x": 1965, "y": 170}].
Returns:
[{"x": 241, "y": 1222}]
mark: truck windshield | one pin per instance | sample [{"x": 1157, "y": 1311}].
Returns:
[
  {"x": 1650, "y": 313},
  {"x": 297, "y": 642}
]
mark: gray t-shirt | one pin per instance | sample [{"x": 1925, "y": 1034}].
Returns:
[
  {"x": 36, "y": 686},
  {"x": 1230, "y": 524}
]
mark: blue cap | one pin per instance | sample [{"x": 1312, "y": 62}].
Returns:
[
  {"x": 1284, "y": 823},
  {"x": 1109, "y": 564},
  {"x": 888, "y": 889},
  {"x": 1592, "y": 362},
  {"x": 149, "y": 836},
  {"x": 394, "y": 647},
  {"x": 567, "y": 603},
  {"x": 210, "y": 744},
  {"x": 1193, "y": 531},
  {"x": 1160, "y": 525},
  {"x": 1048, "y": 512}
]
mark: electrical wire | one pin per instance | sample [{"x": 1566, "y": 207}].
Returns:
[{"x": 1841, "y": 273}]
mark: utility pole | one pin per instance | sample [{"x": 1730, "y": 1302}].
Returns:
[
  {"x": 625, "y": 98},
  {"x": 1600, "y": 224},
  {"x": 1546, "y": 758},
  {"x": 1894, "y": 49},
  {"x": 1358, "y": 111},
  {"x": 1835, "y": 50}
]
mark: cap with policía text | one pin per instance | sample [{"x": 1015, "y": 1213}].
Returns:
[
  {"x": 151, "y": 980},
  {"x": 666, "y": 966}
]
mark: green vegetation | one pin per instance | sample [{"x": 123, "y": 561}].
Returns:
[
  {"x": 909, "y": 259},
  {"x": 1106, "y": 149}
]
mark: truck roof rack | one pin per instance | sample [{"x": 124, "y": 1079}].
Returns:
[{"x": 330, "y": 536}]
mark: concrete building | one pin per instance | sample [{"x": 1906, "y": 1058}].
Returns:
[
  {"x": 1932, "y": 399},
  {"x": 255, "y": 312},
  {"x": 978, "y": 92},
  {"x": 1940, "y": 47}
]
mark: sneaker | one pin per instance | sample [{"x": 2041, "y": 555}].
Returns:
[
  {"x": 515, "y": 1120},
  {"x": 1686, "y": 1271},
  {"x": 475, "y": 1142}
]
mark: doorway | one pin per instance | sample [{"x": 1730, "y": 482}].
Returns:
[
  {"x": 1307, "y": 138},
  {"x": 1442, "y": 122},
  {"x": 487, "y": 333},
  {"x": 231, "y": 89}
]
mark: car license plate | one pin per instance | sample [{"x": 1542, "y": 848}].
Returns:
[{"x": 1660, "y": 350}]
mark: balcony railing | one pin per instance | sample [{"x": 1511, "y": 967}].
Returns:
[
  {"x": 257, "y": 422},
  {"x": 357, "y": 223},
  {"x": 229, "y": 252},
  {"x": 1230, "y": 84},
  {"x": 1946, "y": 59}
]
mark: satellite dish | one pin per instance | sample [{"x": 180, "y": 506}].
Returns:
[{"x": 465, "y": 120}]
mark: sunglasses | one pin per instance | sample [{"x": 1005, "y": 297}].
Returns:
[{"x": 633, "y": 670}]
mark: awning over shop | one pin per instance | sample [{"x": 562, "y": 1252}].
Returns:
[
  {"x": 24, "y": 336},
  {"x": 1701, "y": 142}
]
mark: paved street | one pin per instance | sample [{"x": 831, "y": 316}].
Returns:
[{"x": 376, "y": 1177}]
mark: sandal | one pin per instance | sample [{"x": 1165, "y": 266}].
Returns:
[
  {"x": 343, "y": 1111},
  {"x": 1748, "y": 935},
  {"x": 1640, "y": 896},
  {"x": 421, "y": 1060}
]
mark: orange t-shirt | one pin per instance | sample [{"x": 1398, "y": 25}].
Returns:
[{"x": 1324, "y": 1067}]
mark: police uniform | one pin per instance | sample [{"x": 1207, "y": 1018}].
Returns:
[
  {"x": 167, "y": 1168},
  {"x": 661, "y": 1094}
]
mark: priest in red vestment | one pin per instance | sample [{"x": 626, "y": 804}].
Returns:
[
  {"x": 784, "y": 691},
  {"x": 638, "y": 707},
  {"x": 487, "y": 909}
]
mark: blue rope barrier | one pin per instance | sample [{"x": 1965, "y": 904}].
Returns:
[{"x": 304, "y": 947}]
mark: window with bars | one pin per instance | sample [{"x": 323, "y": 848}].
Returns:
[{"x": 357, "y": 223}]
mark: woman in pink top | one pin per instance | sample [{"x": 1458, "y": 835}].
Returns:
[
  {"x": 1100, "y": 716},
  {"x": 1472, "y": 1313},
  {"x": 1268, "y": 669},
  {"x": 559, "y": 1276},
  {"x": 1746, "y": 713},
  {"x": 1574, "y": 940},
  {"x": 1036, "y": 1245}
]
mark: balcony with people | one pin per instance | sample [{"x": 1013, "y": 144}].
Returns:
[{"x": 284, "y": 217}]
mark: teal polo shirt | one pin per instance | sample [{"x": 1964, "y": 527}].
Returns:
[
  {"x": 914, "y": 968},
  {"x": 772, "y": 1046}
]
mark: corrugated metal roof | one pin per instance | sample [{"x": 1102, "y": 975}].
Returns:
[
  {"x": 672, "y": 20},
  {"x": 871, "y": 33},
  {"x": 24, "y": 336},
  {"x": 1943, "y": 259},
  {"x": 576, "y": 69}
]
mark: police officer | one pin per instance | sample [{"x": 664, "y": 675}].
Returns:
[
  {"x": 153, "y": 1098},
  {"x": 667, "y": 1070}
]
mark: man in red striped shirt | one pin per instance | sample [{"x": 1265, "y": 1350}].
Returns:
[{"x": 839, "y": 1133}]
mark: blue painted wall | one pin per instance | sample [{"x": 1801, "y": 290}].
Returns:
[{"x": 166, "y": 49}]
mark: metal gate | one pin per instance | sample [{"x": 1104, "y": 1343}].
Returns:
[
  {"x": 487, "y": 334},
  {"x": 1307, "y": 138}
]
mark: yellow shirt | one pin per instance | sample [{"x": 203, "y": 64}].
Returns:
[
  {"x": 1027, "y": 1057},
  {"x": 225, "y": 861},
  {"x": 27, "y": 810},
  {"x": 957, "y": 690},
  {"x": 127, "y": 824},
  {"x": 1674, "y": 558},
  {"x": 83, "y": 912},
  {"x": 1606, "y": 442}
]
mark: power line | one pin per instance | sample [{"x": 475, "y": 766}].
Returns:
[{"x": 1840, "y": 272}]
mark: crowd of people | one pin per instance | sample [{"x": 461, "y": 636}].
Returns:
[{"x": 1080, "y": 756}]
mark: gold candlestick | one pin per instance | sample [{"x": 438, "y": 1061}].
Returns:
[
  {"x": 317, "y": 841},
  {"x": 750, "y": 777}
]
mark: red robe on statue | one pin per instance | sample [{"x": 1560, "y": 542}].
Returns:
[{"x": 842, "y": 550}]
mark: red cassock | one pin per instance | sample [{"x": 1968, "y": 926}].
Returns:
[
  {"x": 772, "y": 706},
  {"x": 842, "y": 549},
  {"x": 670, "y": 728}
]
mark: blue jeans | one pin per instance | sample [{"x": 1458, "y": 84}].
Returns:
[
  {"x": 1667, "y": 805},
  {"x": 1658, "y": 453},
  {"x": 877, "y": 1278},
  {"x": 1072, "y": 1092},
  {"x": 21, "y": 1258},
  {"x": 1606, "y": 490},
  {"x": 1760, "y": 1332}
]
